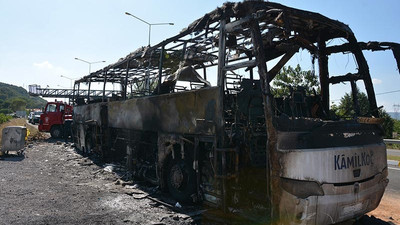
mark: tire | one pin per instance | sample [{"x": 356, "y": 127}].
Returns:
[
  {"x": 56, "y": 132},
  {"x": 181, "y": 180}
]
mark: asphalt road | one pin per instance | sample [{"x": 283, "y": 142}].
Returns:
[
  {"x": 35, "y": 125},
  {"x": 393, "y": 152},
  {"x": 394, "y": 181},
  {"x": 394, "y": 175}
]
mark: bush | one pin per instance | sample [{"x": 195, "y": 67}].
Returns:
[
  {"x": 4, "y": 118},
  {"x": 5, "y": 111}
]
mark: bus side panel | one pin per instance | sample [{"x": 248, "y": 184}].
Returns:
[
  {"x": 188, "y": 112},
  {"x": 89, "y": 112},
  {"x": 83, "y": 115}
]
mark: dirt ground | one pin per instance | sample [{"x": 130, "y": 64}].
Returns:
[
  {"x": 388, "y": 209},
  {"x": 52, "y": 184}
]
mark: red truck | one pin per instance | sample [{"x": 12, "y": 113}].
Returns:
[{"x": 56, "y": 119}]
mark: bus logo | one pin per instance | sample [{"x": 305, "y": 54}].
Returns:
[{"x": 354, "y": 161}]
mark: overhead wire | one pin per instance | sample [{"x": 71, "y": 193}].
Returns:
[
  {"x": 383, "y": 93},
  {"x": 388, "y": 92}
]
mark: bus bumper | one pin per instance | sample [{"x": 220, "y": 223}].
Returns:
[{"x": 340, "y": 202}]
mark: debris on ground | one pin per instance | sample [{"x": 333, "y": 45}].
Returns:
[{"x": 50, "y": 182}]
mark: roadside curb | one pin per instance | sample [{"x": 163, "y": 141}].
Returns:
[{"x": 393, "y": 162}]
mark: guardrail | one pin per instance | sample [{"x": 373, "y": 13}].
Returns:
[{"x": 391, "y": 141}]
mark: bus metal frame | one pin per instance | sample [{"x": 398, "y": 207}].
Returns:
[{"x": 234, "y": 145}]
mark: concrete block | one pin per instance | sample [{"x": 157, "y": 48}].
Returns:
[{"x": 13, "y": 138}]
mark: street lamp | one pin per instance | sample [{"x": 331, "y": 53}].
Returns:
[
  {"x": 150, "y": 24},
  {"x": 70, "y": 79},
  {"x": 90, "y": 63},
  {"x": 71, "y": 90}
]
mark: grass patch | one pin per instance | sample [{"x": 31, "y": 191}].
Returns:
[{"x": 393, "y": 157}]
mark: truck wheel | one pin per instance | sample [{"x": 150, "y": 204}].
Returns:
[
  {"x": 56, "y": 132},
  {"x": 181, "y": 180}
]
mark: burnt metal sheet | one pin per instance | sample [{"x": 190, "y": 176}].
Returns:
[
  {"x": 354, "y": 200},
  {"x": 89, "y": 112},
  {"x": 338, "y": 204},
  {"x": 176, "y": 112}
]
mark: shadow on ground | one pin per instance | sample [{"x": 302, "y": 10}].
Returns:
[{"x": 12, "y": 157}]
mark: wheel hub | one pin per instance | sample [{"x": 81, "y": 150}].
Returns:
[{"x": 177, "y": 176}]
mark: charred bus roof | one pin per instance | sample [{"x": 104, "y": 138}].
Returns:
[
  {"x": 309, "y": 25},
  {"x": 284, "y": 31}
]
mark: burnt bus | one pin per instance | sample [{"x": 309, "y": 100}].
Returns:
[{"x": 196, "y": 114}]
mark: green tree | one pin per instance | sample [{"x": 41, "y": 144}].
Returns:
[
  {"x": 18, "y": 104},
  {"x": 5, "y": 111},
  {"x": 346, "y": 106},
  {"x": 396, "y": 127},
  {"x": 289, "y": 77},
  {"x": 6, "y": 104},
  {"x": 346, "y": 109},
  {"x": 8, "y": 92},
  {"x": 388, "y": 123}
]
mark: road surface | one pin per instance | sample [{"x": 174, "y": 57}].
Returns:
[
  {"x": 394, "y": 152},
  {"x": 394, "y": 181}
]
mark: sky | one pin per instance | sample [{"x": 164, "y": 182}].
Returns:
[{"x": 40, "y": 39}]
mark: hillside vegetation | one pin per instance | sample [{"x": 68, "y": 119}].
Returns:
[
  {"x": 13, "y": 98},
  {"x": 4, "y": 118}
]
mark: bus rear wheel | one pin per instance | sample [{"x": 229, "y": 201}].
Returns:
[{"x": 181, "y": 181}]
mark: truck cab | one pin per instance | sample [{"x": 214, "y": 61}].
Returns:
[{"x": 55, "y": 117}]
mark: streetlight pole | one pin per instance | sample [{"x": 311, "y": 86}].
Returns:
[
  {"x": 149, "y": 24},
  {"x": 70, "y": 86},
  {"x": 90, "y": 63},
  {"x": 70, "y": 83},
  {"x": 70, "y": 80}
]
